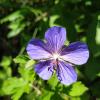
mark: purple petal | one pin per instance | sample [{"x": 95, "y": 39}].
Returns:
[
  {"x": 36, "y": 49},
  {"x": 66, "y": 74},
  {"x": 44, "y": 69},
  {"x": 55, "y": 37},
  {"x": 76, "y": 53}
]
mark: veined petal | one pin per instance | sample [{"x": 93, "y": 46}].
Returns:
[
  {"x": 44, "y": 69},
  {"x": 55, "y": 37},
  {"x": 65, "y": 73},
  {"x": 36, "y": 49},
  {"x": 76, "y": 53}
]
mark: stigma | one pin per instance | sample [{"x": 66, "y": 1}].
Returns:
[{"x": 56, "y": 56}]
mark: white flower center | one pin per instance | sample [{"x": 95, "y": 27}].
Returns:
[{"x": 56, "y": 56}]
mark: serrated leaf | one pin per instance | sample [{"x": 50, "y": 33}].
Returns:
[
  {"x": 77, "y": 89},
  {"x": 22, "y": 59},
  {"x": 15, "y": 87},
  {"x": 29, "y": 63},
  {"x": 16, "y": 29},
  {"x": 26, "y": 74},
  {"x": 17, "y": 94},
  {"x": 12, "y": 16},
  {"x": 85, "y": 96}
]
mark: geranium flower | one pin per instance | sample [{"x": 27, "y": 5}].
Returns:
[{"x": 54, "y": 55}]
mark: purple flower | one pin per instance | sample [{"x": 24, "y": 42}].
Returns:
[{"x": 54, "y": 55}]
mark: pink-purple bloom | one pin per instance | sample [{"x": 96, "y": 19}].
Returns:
[{"x": 54, "y": 55}]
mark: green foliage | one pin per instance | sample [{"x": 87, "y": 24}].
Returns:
[
  {"x": 20, "y": 20},
  {"x": 5, "y": 66},
  {"x": 53, "y": 80},
  {"x": 77, "y": 89},
  {"x": 21, "y": 59},
  {"x": 16, "y": 87}
]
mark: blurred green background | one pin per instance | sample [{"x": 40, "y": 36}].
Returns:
[{"x": 20, "y": 20}]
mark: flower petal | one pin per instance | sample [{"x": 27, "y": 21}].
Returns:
[
  {"x": 44, "y": 69},
  {"x": 55, "y": 37},
  {"x": 36, "y": 49},
  {"x": 76, "y": 53},
  {"x": 66, "y": 74}
]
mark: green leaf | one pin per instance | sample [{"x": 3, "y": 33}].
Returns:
[
  {"x": 17, "y": 94},
  {"x": 26, "y": 74},
  {"x": 6, "y": 69},
  {"x": 97, "y": 38},
  {"x": 29, "y": 63},
  {"x": 53, "y": 81},
  {"x": 22, "y": 59},
  {"x": 6, "y": 61},
  {"x": 11, "y": 83},
  {"x": 46, "y": 95},
  {"x": 53, "y": 18},
  {"x": 85, "y": 96},
  {"x": 16, "y": 29},
  {"x": 12, "y": 17},
  {"x": 15, "y": 87},
  {"x": 77, "y": 89}
]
